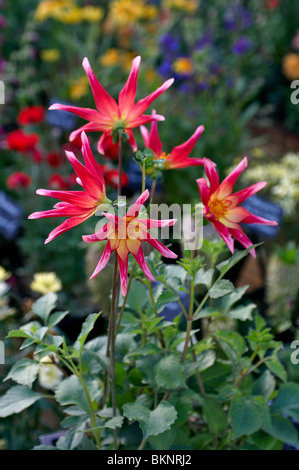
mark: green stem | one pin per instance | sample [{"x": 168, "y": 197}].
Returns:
[
  {"x": 112, "y": 325},
  {"x": 161, "y": 336},
  {"x": 125, "y": 298}
]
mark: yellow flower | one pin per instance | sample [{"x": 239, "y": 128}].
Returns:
[
  {"x": 4, "y": 275},
  {"x": 183, "y": 66},
  {"x": 50, "y": 55},
  {"x": 187, "y": 5},
  {"x": 72, "y": 15},
  {"x": 128, "y": 12},
  {"x": 50, "y": 8},
  {"x": 111, "y": 57},
  {"x": 150, "y": 75},
  {"x": 290, "y": 66},
  {"x": 92, "y": 14},
  {"x": 44, "y": 283},
  {"x": 79, "y": 87}
]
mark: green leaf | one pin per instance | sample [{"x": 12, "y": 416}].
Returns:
[
  {"x": 214, "y": 415},
  {"x": 287, "y": 401},
  {"x": 246, "y": 416},
  {"x": 154, "y": 422},
  {"x": 19, "y": 334},
  {"x": 169, "y": 373},
  {"x": 242, "y": 313},
  {"x": 165, "y": 298},
  {"x": 17, "y": 399},
  {"x": 226, "y": 265},
  {"x": 85, "y": 330},
  {"x": 44, "y": 306},
  {"x": 282, "y": 429},
  {"x": 264, "y": 385},
  {"x": 24, "y": 372},
  {"x": 233, "y": 340},
  {"x": 137, "y": 296},
  {"x": 112, "y": 423},
  {"x": 221, "y": 288},
  {"x": 56, "y": 318},
  {"x": 71, "y": 392},
  {"x": 277, "y": 369},
  {"x": 145, "y": 350},
  {"x": 203, "y": 277}
]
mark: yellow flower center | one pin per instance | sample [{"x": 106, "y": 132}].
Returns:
[{"x": 218, "y": 208}]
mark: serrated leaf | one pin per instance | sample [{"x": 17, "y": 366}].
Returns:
[
  {"x": 24, "y": 372},
  {"x": 264, "y": 385},
  {"x": 281, "y": 428},
  {"x": 203, "y": 277},
  {"x": 169, "y": 373},
  {"x": 112, "y": 423},
  {"x": 246, "y": 416},
  {"x": 17, "y": 399},
  {"x": 44, "y": 306},
  {"x": 242, "y": 313},
  {"x": 71, "y": 392},
  {"x": 234, "y": 340},
  {"x": 277, "y": 369},
  {"x": 165, "y": 298},
  {"x": 56, "y": 318},
  {"x": 287, "y": 401},
  {"x": 226, "y": 265},
  {"x": 85, "y": 330},
  {"x": 221, "y": 288},
  {"x": 154, "y": 422},
  {"x": 214, "y": 415}
]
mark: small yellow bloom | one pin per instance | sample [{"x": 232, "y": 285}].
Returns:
[
  {"x": 92, "y": 14},
  {"x": 79, "y": 88},
  {"x": 150, "y": 75},
  {"x": 4, "y": 275},
  {"x": 183, "y": 66},
  {"x": 126, "y": 60},
  {"x": 128, "y": 12},
  {"x": 71, "y": 15},
  {"x": 290, "y": 66},
  {"x": 44, "y": 283},
  {"x": 189, "y": 6},
  {"x": 50, "y": 55},
  {"x": 50, "y": 8},
  {"x": 110, "y": 58}
]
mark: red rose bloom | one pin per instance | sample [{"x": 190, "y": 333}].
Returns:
[
  {"x": 31, "y": 115},
  {"x": 18, "y": 180},
  {"x": 20, "y": 141}
]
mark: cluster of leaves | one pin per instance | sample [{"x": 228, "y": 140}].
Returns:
[{"x": 229, "y": 391}]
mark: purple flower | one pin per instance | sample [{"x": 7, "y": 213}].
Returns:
[
  {"x": 242, "y": 45},
  {"x": 237, "y": 17},
  {"x": 170, "y": 44},
  {"x": 204, "y": 40},
  {"x": 165, "y": 69}
]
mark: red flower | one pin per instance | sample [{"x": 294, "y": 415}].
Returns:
[
  {"x": 77, "y": 205},
  {"x": 109, "y": 115},
  {"x": 106, "y": 146},
  {"x": 20, "y": 141},
  {"x": 221, "y": 206},
  {"x": 126, "y": 235},
  {"x": 56, "y": 181},
  {"x": 111, "y": 178},
  {"x": 31, "y": 115},
  {"x": 18, "y": 180},
  {"x": 272, "y": 4},
  {"x": 178, "y": 157},
  {"x": 55, "y": 159}
]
